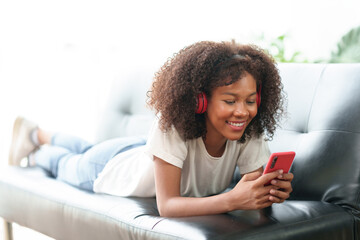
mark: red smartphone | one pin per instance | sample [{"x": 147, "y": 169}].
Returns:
[{"x": 279, "y": 160}]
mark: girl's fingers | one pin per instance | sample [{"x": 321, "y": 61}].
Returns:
[
  {"x": 274, "y": 199},
  {"x": 269, "y": 176},
  {"x": 251, "y": 176},
  {"x": 287, "y": 177},
  {"x": 286, "y": 185},
  {"x": 279, "y": 194},
  {"x": 264, "y": 202}
]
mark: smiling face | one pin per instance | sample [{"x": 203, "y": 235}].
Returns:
[{"x": 230, "y": 110}]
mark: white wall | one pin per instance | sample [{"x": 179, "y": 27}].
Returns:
[{"x": 58, "y": 58}]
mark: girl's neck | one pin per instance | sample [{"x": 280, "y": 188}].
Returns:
[{"x": 215, "y": 148}]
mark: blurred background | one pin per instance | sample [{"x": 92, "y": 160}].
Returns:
[{"x": 59, "y": 58}]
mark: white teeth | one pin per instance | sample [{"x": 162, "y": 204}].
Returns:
[{"x": 237, "y": 124}]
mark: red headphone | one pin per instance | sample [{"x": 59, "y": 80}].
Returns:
[{"x": 202, "y": 101}]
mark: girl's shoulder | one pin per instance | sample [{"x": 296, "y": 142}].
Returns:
[{"x": 170, "y": 134}]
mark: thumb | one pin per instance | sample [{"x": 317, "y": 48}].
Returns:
[{"x": 251, "y": 176}]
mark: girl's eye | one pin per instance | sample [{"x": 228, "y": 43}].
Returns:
[
  {"x": 229, "y": 102},
  {"x": 251, "y": 102}
]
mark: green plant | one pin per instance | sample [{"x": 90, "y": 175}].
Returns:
[
  {"x": 348, "y": 48},
  {"x": 278, "y": 51},
  {"x": 277, "y": 48}
]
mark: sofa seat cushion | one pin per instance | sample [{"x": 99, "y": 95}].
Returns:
[{"x": 61, "y": 211}]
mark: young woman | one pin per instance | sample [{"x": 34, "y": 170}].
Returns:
[{"x": 215, "y": 104}]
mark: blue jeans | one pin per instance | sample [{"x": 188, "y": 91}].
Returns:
[{"x": 77, "y": 162}]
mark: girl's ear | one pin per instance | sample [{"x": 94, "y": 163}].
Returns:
[{"x": 201, "y": 103}]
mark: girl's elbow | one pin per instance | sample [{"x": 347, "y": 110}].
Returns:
[
  {"x": 164, "y": 214},
  {"x": 166, "y": 211}
]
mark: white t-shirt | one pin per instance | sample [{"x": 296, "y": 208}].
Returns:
[{"x": 131, "y": 173}]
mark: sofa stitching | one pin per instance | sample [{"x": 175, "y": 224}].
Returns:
[
  {"x": 313, "y": 98},
  {"x": 157, "y": 223}
]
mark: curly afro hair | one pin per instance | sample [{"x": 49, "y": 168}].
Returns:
[{"x": 203, "y": 66}]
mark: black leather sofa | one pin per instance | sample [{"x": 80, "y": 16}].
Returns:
[{"x": 322, "y": 126}]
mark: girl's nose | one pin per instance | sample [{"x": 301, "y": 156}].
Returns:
[{"x": 241, "y": 110}]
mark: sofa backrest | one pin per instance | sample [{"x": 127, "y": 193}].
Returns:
[
  {"x": 322, "y": 126},
  {"x": 126, "y": 112}
]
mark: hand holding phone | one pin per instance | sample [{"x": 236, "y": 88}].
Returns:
[{"x": 279, "y": 160}]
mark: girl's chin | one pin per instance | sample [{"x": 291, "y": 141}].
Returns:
[{"x": 234, "y": 137}]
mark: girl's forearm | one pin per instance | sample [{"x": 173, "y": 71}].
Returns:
[{"x": 191, "y": 206}]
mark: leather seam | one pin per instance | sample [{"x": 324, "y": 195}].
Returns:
[{"x": 313, "y": 98}]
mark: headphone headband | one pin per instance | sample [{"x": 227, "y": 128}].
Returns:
[
  {"x": 235, "y": 56},
  {"x": 238, "y": 56}
]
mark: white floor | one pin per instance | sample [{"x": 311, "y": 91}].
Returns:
[{"x": 22, "y": 233}]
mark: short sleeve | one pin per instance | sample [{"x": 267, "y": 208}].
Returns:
[
  {"x": 254, "y": 153},
  {"x": 167, "y": 146}
]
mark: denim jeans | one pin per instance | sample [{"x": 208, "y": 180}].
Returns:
[{"x": 77, "y": 162}]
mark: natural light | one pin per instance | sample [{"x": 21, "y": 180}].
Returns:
[{"x": 59, "y": 58}]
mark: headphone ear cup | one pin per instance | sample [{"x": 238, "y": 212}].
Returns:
[
  {"x": 201, "y": 103},
  {"x": 258, "y": 97}
]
